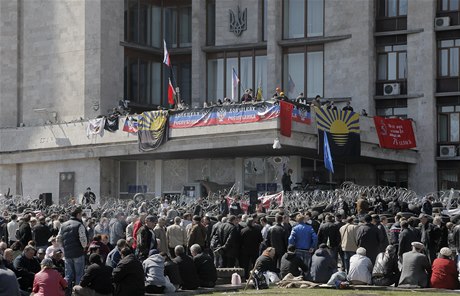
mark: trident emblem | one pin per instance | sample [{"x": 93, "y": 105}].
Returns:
[{"x": 238, "y": 23}]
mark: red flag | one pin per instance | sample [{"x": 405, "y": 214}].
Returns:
[
  {"x": 171, "y": 94},
  {"x": 286, "y": 118},
  {"x": 395, "y": 133}
]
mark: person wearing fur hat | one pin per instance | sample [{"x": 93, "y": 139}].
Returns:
[
  {"x": 415, "y": 267},
  {"x": 444, "y": 272}
]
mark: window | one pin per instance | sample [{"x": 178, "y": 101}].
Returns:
[
  {"x": 449, "y": 5},
  {"x": 448, "y": 177},
  {"x": 392, "y": 8},
  {"x": 392, "y": 108},
  {"x": 210, "y": 22},
  {"x": 448, "y": 58},
  {"x": 178, "y": 26},
  {"x": 449, "y": 124},
  {"x": 251, "y": 69},
  {"x": 392, "y": 178},
  {"x": 303, "y": 71},
  {"x": 303, "y": 18},
  {"x": 392, "y": 63}
]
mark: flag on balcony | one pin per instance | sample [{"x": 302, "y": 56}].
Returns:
[
  {"x": 395, "y": 133},
  {"x": 286, "y": 118},
  {"x": 166, "y": 59},
  {"x": 235, "y": 81},
  {"x": 259, "y": 95},
  {"x": 130, "y": 125},
  {"x": 95, "y": 127},
  {"x": 342, "y": 131},
  {"x": 152, "y": 129},
  {"x": 327, "y": 155},
  {"x": 171, "y": 94},
  {"x": 291, "y": 85}
]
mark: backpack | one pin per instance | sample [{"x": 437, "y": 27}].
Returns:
[{"x": 259, "y": 280}]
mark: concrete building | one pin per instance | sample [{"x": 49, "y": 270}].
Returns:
[{"x": 63, "y": 62}]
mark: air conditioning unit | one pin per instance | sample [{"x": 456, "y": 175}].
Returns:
[
  {"x": 447, "y": 151},
  {"x": 442, "y": 22},
  {"x": 391, "y": 89}
]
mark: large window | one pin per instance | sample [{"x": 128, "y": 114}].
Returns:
[
  {"x": 448, "y": 58},
  {"x": 392, "y": 178},
  {"x": 449, "y": 5},
  {"x": 303, "y": 71},
  {"x": 251, "y": 69},
  {"x": 392, "y": 8},
  {"x": 178, "y": 26},
  {"x": 449, "y": 124},
  {"x": 392, "y": 63},
  {"x": 391, "y": 108},
  {"x": 303, "y": 18},
  {"x": 448, "y": 178}
]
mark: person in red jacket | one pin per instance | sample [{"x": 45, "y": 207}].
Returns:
[
  {"x": 49, "y": 282},
  {"x": 444, "y": 272}
]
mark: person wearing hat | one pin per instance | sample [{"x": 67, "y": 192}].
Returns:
[
  {"x": 26, "y": 266},
  {"x": 48, "y": 282},
  {"x": 146, "y": 239},
  {"x": 323, "y": 265},
  {"x": 431, "y": 235},
  {"x": 444, "y": 272},
  {"x": 97, "y": 279},
  {"x": 360, "y": 268},
  {"x": 415, "y": 267}
]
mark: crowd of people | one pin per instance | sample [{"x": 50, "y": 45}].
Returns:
[{"x": 138, "y": 251}]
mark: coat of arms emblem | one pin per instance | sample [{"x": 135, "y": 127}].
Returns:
[{"x": 238, "y": 22}]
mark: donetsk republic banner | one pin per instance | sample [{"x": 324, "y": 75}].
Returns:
[
  {"x": 395, "y": 133},
  {"x": 342, "y": 130},
  {"x": 233, "y": 114}
]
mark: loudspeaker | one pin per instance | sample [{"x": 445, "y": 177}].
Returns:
[
  {"x": 46, "y": 199},
  {"x": 253, "y": 197}
]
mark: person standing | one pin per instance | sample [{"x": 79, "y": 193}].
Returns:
[
  {"x": 24, "y": 231},
  {"x": 277, "y": 238},
  {"x": 41, "y": 233},
  {"x": 251, "y": 237},
  {"x": 329, "y": 235},
  {"x": 74, "y": 240},
  {"x": 431, "y": 234},
  {"x": 228, "y": 241},
  {"x": 304, "y": 238},
  {"x": 368, "y": 237},
  {"x": 176, "y": 236},
  {"x": 160, "y": 233},
  {"x": 116, "y": 229},
  {"x": 12, "y": 227},
  {"x": 349, "y": 243},
  {"x": 146, "y": 239},
  {"x": 197, "y": 234},
  {"x": 286, "y": 180},
  {"x": 88, "y": 197}
]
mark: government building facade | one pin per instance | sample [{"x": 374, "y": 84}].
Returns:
[{"x": 64, "y": 62}]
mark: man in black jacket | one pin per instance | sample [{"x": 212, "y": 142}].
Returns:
[
  {"x": 431, "y": 234},
  {"x": 128, "y": 276},
  {"x": 277, "y": 238},
  {"x": 24, "y": 231},
  {"x": 97, "y": 278},
  {"x": 26, "y": 266},
  {"x": 292, "y": 264},
  {"x": 251, "y": 237},
  {"x": 329, "y": 234},
  {"x": 406, "y": 238},
  {"x": 146, "y": 239},
  {"x": 368, "y": 237},
  {"x": 228, "y": 241},
  {"x": 187, "y": 269},
  {"x": 41, "y": 233},
  {"x": 205, "y": 269}
]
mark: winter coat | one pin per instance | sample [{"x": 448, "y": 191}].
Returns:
[
  {"x": 25, "y": 271},
  {"x": 41, "y": 233},
  {"x": 290, "y": 263},
  {"x": 329, "y": 234},
  {"x": 205, "y": 268},
  {"x": 265, "y": 263},
  {"x": 303, "y": 237},
  {"x": 406, "y": 238},
  {"x": 277, "y": 238},
  {"x": 368, "y": 237},
  {"x": 197, "y": 236},
  {"x": 228, "y": 239},
  {"x": 187, "y": 272},
  {"x": 415, "y": 269},
  {"x": 24, "y": 233},
  {"x": 99, "y": 278},
  {"x": 251, "y": 237}
]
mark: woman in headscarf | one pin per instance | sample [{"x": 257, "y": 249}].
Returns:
[{"x": 444, "y": 272}]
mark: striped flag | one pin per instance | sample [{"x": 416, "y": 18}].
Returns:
[
  {"x": 166, "y": 59},
  {"x": 171, "y": 94},
  {"x": 235, "y": 81}
]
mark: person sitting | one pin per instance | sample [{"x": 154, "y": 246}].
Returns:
[
  {"x": 291, "y": 263},
  {"x": 128, "y": 276},
  {"x": 8, "y": 259},
  {"x": 154, "y": 272},
  {"x": 322, "y": 265},
  {"x": 360, "y": 268},
  {"x": 26, "y": 266},
  {"x": 415, "y": 267},
  {"x": 386, "y": 271},
  {"x": 187, "y": 270},
  {"x": 97, "y": 279},
  {"x": 58, "y": 262},
  {"x": 9, "y": 286},
  {"x": 444, "y": 272},
  {"x": 48, "y": 282},
  {"x": 266, "y": 264},
  {"x": 206, "y": 271},
  {"x": 114, "y": 256},
  {"x": 172, "y": 271}
]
